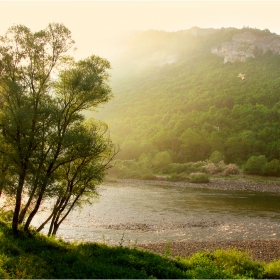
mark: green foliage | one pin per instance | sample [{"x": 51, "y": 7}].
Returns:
[
  {"x": 195, "y": 105},
  {"x": 48, "y": 150},
  {"x": 132, "y": 169},
  {"x": 255, "y": 165},
  {"x": 223, "y": 264},
  {"x": 216, "y": 157},
  {"x": 272, "y": 168},
  {"x": 199, "y": 178},
  {"x": 187, "y": 168},
  {"x": 144, "y": 168},
  {"x": 178, "y": 177},
  {"x": 272, "y": 270},
  {"x": 34, "y": 256},
  {"x": 161, "y": 161}
]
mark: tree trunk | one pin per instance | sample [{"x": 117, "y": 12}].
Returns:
[
  {"x": 55, "y": 222},
  {"x": 25, "y": 208},
  {"x": 44, "y": 223},
  {"x": 36, "y": 208},
  {"x": 18, "y": 202}
]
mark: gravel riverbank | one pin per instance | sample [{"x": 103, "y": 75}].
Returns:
[
  {"x": 218, "y": 183},
  {"x": 261, "y": 250}
]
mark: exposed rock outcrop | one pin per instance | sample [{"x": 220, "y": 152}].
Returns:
[{"x": 246, "y": 44}]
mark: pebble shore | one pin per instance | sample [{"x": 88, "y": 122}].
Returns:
[
  {"x": 219, "y": 183},
  {"x": 261, "y": 250}
]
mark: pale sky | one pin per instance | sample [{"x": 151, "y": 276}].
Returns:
[{"x": 96, "y": 24}]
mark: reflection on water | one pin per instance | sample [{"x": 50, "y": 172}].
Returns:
[{"x": 160, "y": 213}]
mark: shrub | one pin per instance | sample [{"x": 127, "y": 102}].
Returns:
[
  {"x": 221, "y": 166},
  {"x": 161, "y": 161},
  {"x": 189, "y": 167},
  {"x": 178, "y": 167},
  {"x": 199, "y": 178},
  {"x": 272, "y": 168},
  {"x": 178, "y": 177},
  {"x": 216, "y": 157},
  {"x": 231, "y": 169},
  {"x": 211, "y": 168},
  {"x": 222, "y": 264},
  {"x": 255, "y": 165},
  {"x": 272, "y": 270}
]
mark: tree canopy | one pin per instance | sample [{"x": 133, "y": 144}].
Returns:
[
  {"x": 48, "y": 149},
  {"x": 195, "y": 104}
]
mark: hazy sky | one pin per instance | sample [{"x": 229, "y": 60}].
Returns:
[{"x": 96, "y": 24}]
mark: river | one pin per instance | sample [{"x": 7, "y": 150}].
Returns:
[{"x": 128, "y": 213}]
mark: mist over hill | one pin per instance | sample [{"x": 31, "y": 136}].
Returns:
[{"x": 179, "y": 93}]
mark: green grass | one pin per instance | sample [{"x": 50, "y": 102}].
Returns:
[{"x": 33, "y": 256}]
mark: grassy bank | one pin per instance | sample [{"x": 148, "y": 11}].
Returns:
[{"x": 31, "y": 255}]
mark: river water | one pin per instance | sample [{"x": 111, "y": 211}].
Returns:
[{"x": 128, "y": 213}]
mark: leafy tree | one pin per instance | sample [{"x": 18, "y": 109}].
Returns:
[
  {"x": 161, "y": 161},
  {"x": 43, "y": 94},
  {"x": 255, "y": 165},
  {"x": 216, "y": 157},
  {"x": 194, "y": 145}
]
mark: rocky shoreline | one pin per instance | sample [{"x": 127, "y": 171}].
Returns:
[
  {"x": 217, "y": 183},
  {"x": 260, "y": 250}
]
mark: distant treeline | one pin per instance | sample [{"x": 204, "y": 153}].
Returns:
[{"x": 194, "y": 105}]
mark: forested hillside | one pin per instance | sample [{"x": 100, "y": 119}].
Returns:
[{"x": 177, "y": 101}]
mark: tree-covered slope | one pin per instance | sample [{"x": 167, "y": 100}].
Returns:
[{"x": 173, "y": 94}]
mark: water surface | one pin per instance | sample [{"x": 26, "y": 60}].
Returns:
[{"x": 143, "y": 213}]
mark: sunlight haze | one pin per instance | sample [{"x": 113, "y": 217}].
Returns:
[{"x": 99, "y": 26}]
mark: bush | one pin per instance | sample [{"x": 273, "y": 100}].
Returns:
[
  {"x": 178, "y": 168},
  {"x": 255, "y": 165},
  {"x": 223, "y": 264},
  {"x": 211, "y": 168},
  {"x": 178, "y": 177},
  {"x": 161, "y": 162},
  {"x": 231, "y": 169},
  {"x": 221, "y": 166},
  {"x": 216, "y": 157},
  {"x": 199, "y": 178},
  {"x": 272, "y": 168},
  {"x": 272, "y": 270}
]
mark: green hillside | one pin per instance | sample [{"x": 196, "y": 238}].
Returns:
[{"x": 172, "y": 94}]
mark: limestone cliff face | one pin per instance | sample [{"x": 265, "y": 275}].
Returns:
[{"x": 245, "y": 45}]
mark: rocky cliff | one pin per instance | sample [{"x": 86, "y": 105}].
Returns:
[{"x": 247, "y": 44}]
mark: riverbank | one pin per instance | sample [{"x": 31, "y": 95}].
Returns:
[
  {"x": 217, "y": 183},
  {"x": 34, "y": 256},
  {"x": 260, "y": 250}
]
